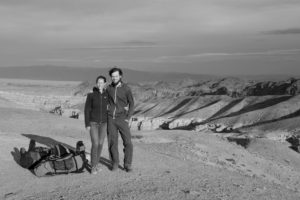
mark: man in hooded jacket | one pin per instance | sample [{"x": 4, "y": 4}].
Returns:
[{"x": 121, "y": 107}]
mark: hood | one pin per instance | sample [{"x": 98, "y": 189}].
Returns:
[
  {"x": 95, "y": 89},
  {"x": 121, "y": 84}
]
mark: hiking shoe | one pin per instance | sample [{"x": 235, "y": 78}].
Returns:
[
  {"x": 94, "y": 170},
  {"x": 115, "y": 167},
  {"x": 128, "y": 169},
  {"x": 98, "y": 168}
]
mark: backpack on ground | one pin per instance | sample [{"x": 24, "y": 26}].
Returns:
[
  {"x": 53, "y": 165},
  {"x": 58, "y": 159},
  {"x": 33, "y": 155}
]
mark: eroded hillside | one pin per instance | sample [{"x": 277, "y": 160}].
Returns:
[{"x": 229, "y": 105}]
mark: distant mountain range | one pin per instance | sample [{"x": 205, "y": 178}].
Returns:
[
  {"x": 90, "y": 74},
  {"x": 63, "y": 73}
]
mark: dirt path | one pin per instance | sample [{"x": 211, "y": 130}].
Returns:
[{"x": 167, "y": 165}]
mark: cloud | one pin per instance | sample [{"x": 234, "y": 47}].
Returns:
[
  {"x": 115, "y": 47},
  {"x": 132, "y": 44},
  {"x": 142, "y": 29},
  {"x": 256, "y": 4},
  {"x": 101, "y": 21},
  {"x": 119, "y": 47},
  {"x": 185, "y": 58},
  {"x": 272, "y": 52},
  {"x": 79, "y": 22},
  {"x": 57, "y": 60},
  {"x": 290, "y": 31},
  {"x": 139, "y": 43}
]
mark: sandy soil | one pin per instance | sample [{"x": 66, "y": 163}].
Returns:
[
  {"x": 167, "y": 165},
  {"x": 173, "y": 164},
  {"x": 38, "y": 87}
]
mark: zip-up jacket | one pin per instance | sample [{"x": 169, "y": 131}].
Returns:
[
  {"x": 95, "y": 109},
  {"x": 121, "y": 102}
]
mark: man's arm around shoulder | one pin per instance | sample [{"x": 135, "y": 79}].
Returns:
[{"x": 130, "y": 101}]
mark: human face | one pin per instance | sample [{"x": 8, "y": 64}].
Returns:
[
  {"x": 116, "y": 77},
  {"x": 100, "y": 83}
]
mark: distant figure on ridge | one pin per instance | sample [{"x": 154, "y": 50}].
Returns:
[
  {"x": 95, "y": 114},
  {"x": 121, "y": 105}
]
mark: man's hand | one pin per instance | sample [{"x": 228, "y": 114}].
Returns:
[
  {"x": 128, "y": 120},
  {"x": 88, "y": 128}
]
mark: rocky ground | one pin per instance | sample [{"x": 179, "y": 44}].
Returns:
[{"x": 168, "y": 164}]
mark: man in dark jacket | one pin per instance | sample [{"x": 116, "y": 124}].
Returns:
[{"x": 121, "y": 105}]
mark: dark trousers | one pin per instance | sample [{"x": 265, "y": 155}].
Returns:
[
  {"x": 98, "y": 132},
  {"x": 115, "y": 126}
]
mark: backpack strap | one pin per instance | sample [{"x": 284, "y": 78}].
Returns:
[
  {"x": 61, "y": 150},
  {"x": 65, "y": 157},
  {"x": 65, "y": 165},
  {"x": 75, "y": 161},
  {"x": 53, "y": 163}
]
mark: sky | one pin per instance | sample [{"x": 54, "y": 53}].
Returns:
[{"x": 223, "y": 37}]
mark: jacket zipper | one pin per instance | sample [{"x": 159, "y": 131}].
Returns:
[
  {"x": 100, "y": 107},
  {"x": 114, "y": 114}
]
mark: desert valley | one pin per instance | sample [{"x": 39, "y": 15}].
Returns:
[
  {"x": 216, "y": 90},
  {"x": 209, "y": 138}
]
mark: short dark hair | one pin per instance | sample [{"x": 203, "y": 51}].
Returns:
[
  {"x": 115, "y": 69},
  {"x": 101, "y": 77}
]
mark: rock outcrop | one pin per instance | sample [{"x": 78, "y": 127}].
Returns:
[
  {"x": 295, "y": 142},
  {"x": 232, "y": 87},
  {"x": 60, "y": 105}
]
